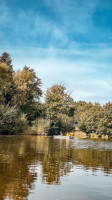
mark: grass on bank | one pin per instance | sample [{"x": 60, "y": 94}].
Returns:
[{"x": 83, "y": 135}]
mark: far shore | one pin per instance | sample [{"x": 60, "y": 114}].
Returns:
[{"x": 76, "y": 134}]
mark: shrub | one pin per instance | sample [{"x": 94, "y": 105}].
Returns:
[
  {"x": 40, "y": 126},
  {"x": 10, "y": 121}
]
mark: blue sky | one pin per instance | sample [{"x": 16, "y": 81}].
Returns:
[{"x": 65, "y": 41}]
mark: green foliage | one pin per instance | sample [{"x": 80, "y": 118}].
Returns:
[
  {"x": 28, "y": 93},
  {"x": 10, "y": 121},
  {"x": 21, "y": 124},
  {"x": 61, "y": 122},
  {"x": 7, "y": 119},
  {"x": 32, "y": 110},
  {"x": 98, "y": 119},
  {"x": 6, "y": 83},
  {"x": 5, "y": 58},
  {"x": 80, "y": 108},
  {"x": 20, "y": 106},
  {"x": 27, "y": 86},
  {"x": 41, "y": 126},
  {"x": 19, "y": 97},
  {"x": 59, "y": 109},
  {"x": 58, "y": 100}
]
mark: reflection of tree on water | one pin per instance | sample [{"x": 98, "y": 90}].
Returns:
[
  {"x": 15, "y": 177},
  {"x": 57, "y": 162},
  {"x": 93, "y": 159},
  {"x": 20, "y": 155}
]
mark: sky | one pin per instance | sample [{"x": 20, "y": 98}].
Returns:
[{"x": 65, "y": 41}]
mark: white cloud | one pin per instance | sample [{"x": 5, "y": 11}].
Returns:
[
  {"x": 86, "y": 75},
  {"x": 84, "y": 68},
  {"x": 71, "y": 18}
]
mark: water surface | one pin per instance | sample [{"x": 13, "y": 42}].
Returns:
[{"x": 41, "y": 168}]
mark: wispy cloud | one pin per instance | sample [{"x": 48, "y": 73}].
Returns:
[
  {"x": 29, "y": 26},
  {"x": 88, "y": 76},
  {"x": 70, "y": 21},
  {"x": 64, "y": 41}
]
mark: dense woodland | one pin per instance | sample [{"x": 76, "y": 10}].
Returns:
[{"x": 21, "y": 109}]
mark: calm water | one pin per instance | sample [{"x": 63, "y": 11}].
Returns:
[{"x": 39, "y": 168}]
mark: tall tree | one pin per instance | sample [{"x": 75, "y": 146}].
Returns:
[
  {"x": 28, "y": 91},
  {"x": 5, "y": 58},
  {"x": 81, "y": 107},
  {"x": 59, "y": 108},
  {"x": 6, "y": 83},
  {"x": 27, "y": 86}
]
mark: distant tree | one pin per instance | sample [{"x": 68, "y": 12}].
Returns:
[
  {"x": 59, "y": 100},
  {"x": 27, "y": 86},
  {"x": 90, "y": 118},
  {"x": 28, "y": 92},
  {"x": 80, "y": 107},
  {"x": 59, "y": 108},
  {"x": 5, "y": 58},
  {"x": 97, "y": 119},
  {"x": 6, "y": 83},
  {"x": 106, "y": 121}
]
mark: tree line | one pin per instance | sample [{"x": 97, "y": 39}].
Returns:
[{"x": 21, "y": 109}]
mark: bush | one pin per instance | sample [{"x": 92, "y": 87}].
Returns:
[
  {"x": 61, "y": 122},
  {"x": 40, "y": 126},
  {"x": 21, "y": 124},
  {"x": 10, "y": 121}
]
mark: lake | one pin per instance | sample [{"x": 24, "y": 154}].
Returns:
[{"x": 45, "y": 168}]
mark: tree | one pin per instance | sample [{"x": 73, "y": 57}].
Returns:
[
  {"x": 5, "y": 58},
  {"x": 6, "y": 83},
  {"x": 27, "y": 86},
  {"x": 11, "y": 122},
  {"x": 59, "y": 108},
  {"x": 58, "y": 100},
  {"x": 97, "y": 119},
  {"x": 28, "y": 92},
  {"x": 80, "y": 107},
  {"x": 90, "y": 118}
]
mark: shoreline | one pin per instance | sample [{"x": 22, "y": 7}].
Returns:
[{"x": 78, "y": 135}]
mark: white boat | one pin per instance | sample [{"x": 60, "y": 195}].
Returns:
[
  {"x": 60, "y": 137},
  {"x": 71, "y": 137}
]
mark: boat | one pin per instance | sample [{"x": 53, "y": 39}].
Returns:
[
  {"x": 71, "y": 137},
  {"x": 60, "y": 137}
]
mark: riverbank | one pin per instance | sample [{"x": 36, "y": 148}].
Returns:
[
  {"x": 83, "y": 135},
  {"x": 76, "y": 134}
]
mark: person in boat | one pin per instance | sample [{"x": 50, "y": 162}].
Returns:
[{"x": 61, "y": 134}]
